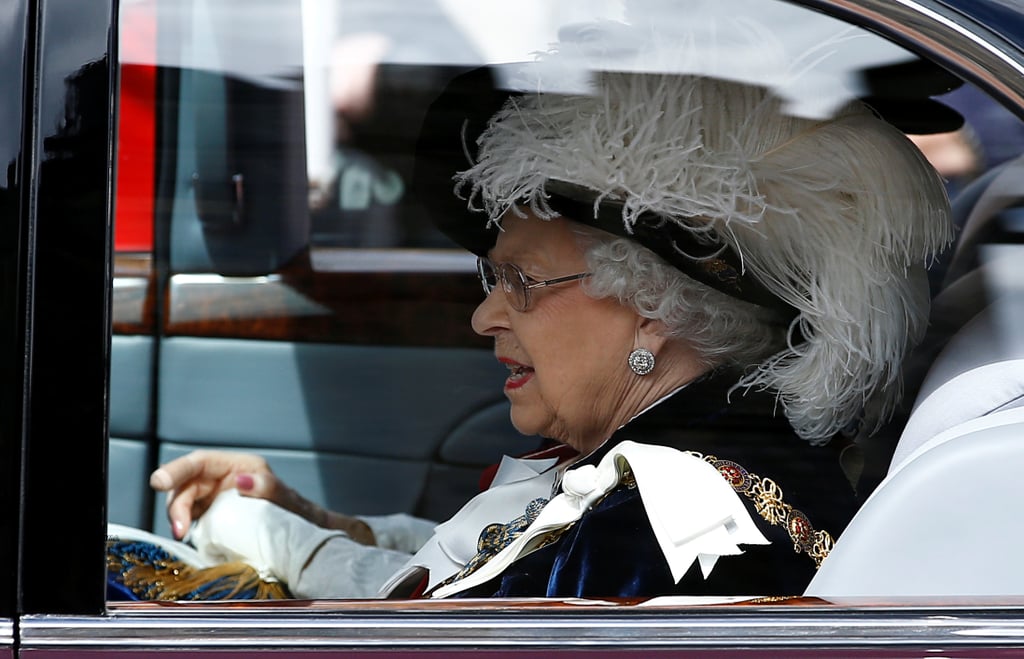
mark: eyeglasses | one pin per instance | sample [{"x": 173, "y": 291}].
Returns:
[{"x": 517, "y": 286}]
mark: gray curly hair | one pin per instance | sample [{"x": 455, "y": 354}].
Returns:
[{"x": 722, "y": 329}]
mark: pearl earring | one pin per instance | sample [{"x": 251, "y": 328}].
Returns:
[{"x": 641, "y": 361}]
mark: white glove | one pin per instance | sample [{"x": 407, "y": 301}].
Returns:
[
  {"x": 313, "y": 561},
  {"x": 277, "y": 543}
]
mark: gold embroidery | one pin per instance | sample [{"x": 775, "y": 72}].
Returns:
[
  {"x": 768, "y": 599},
  {"x": 767, "y": 497},
  {"x": 151, "y": 573}
]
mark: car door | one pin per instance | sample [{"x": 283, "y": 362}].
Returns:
[
  {"x": 16, "y": 43},
  {"x": 190, "y": 263},
  {"x": 56, "y": 298}
]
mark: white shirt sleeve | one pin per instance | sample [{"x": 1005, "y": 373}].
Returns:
[
  {"x": 342, "y": 568},
  {"x": 400, "y": 532}
]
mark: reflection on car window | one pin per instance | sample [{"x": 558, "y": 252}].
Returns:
[{"x": 704, "y": 235}]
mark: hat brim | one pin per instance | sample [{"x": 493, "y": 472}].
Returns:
[{"x": 446, "y": 145}]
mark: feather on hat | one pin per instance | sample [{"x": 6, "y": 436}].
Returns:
[{"x": 834, "y": 218}]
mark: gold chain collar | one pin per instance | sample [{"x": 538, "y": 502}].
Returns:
[{"x": 767, "y": 497}]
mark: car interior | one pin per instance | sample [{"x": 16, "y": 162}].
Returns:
[{"x": 294, "y": 301}]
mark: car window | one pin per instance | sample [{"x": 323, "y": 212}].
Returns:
[{"x": 285, "y": 283}]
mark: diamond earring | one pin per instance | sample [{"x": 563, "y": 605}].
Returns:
[{"x": 641, "y": 361}]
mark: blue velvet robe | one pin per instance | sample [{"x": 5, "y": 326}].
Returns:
[{"x": 612, "y": 552}]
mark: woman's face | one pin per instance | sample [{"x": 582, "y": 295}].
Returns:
[{"x": 567, "y": 353}]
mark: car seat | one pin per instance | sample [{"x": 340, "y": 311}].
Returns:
[{"x": 943, "y": 521}]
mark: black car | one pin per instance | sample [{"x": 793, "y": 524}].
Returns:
[{"x": 209, "y": 238}]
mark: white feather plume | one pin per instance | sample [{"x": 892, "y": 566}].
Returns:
[{"x": 836, "y": 217}]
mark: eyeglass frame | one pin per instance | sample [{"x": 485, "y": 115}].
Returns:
[{"x": 525, "y": 281}]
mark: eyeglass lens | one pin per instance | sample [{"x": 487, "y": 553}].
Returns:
[{"x": 513, "y": 282}]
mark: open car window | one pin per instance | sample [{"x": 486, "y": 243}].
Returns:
[{"x": 281, "y": 286}]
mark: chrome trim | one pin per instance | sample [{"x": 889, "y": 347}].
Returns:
[
  {"x": 348, "y": 259},
  {"x": 968, "y": 48},
  {"x": 6, "y": 633},
  {"x": 619, "y": 627}
]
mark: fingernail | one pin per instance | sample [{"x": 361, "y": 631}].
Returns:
[
  {"x": 244, "y": 481},
  {"x": 160, "y": 480},
  {"x": 179, "y": 528}
]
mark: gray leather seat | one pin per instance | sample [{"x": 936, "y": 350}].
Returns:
[{"x": 944, "y": 520}]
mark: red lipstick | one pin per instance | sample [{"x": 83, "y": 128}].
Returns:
[{"x": 519, "y": 375}]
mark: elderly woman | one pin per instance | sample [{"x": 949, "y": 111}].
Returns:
[{"x": 669, "y": 261}]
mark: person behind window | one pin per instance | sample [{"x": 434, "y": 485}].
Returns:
[{"x": 692, "y": 291}]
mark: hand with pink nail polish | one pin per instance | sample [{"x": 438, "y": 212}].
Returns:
[{"x": 193, "y": 481}]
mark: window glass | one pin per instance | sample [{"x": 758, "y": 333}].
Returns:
[{"x": 293, "y": 279}]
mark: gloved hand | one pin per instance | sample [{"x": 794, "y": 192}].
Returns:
[{"x": 275, "y": 542}]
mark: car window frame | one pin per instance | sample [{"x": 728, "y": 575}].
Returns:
[
  {"x": 56, "y": 617},
  {"x": 18, "y": 46},
  {"x": 65, "y": 242}
]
